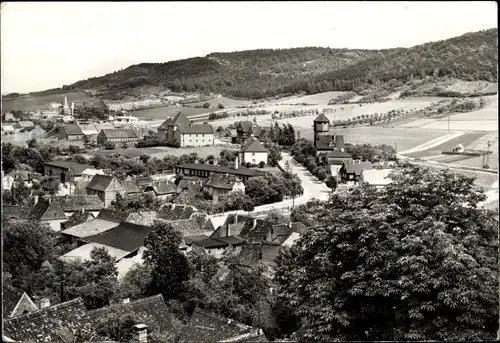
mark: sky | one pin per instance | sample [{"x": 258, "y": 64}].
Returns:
[{"x": 50, "y": 44}]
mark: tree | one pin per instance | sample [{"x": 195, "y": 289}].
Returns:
[
  {"x": 416, "y": 260},
  {"x": 221, "y": 106},
  {"x": 274, "y": 155},
  {"x": 331, "y": 182},
  {"x": 206, "y": 105},
  {"x": 50, "y": 185},
  {"x": 321, "y": 174},
  {"x": 275, "y": 217},
  {"x": 144, "y": 158},
  {"x": 109, "y": 146},
  {"x": 170, "y": 268}
]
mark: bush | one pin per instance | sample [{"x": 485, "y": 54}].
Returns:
[
  {"x": 110, "y": 146},
  {"x": 206, "y": 105},
  {"x": 262, "y": 164},
  {"x": 221, "y": 106},
  {"x": 124, "y": 145}
]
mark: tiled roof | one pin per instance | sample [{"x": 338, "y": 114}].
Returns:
[
  {"x": 211, "y": 243},
  {"x": 187, "y": 227},
  {"x": 72, "y": 129},
  {"x": 43, "y": 325},
  {"x": 143, "y": 181},
  {"x": 125, "y": 236},
  {"x": 196, "y": 238},
  {"x": 100, "y": 182},
  {"x": 90, "y": 228},
  {"x": 88, "y": 129},
  {"x": 222, "y": 169},
  {"x": 253, "y": 145},
  {"x": 82, "y": 253},
  {"x": 196, "y": 129},
  {"x": 232, "y": 240},
  {"x": 112, "y": 215},
  {"x": 205, "y": 326},
  {"x": 321, "y": 119},
  {"x": 130, "y": 187},
  {"x": 77, "y": 168},
  {"x": 77, "y": 218},
  {"x": 163, "y": 187},
  {"x": 203, "y": 221},
  {"x": 330, "y": 142},
  {"x": 244, "y": 126},
  {"x": 291, "y": 239},
  {"x": 79, "y": 202},
  {"x": 46, "y": 209},
  {"x": 168, "y": 212},
  {"x": 256, "y": 335},
  {"x": 92, "y": 172},
  {"x": 153, "y": 307},
  {"x": 120, "y": 133},
  {"x": 224, "y": 181},
  {"x": 143, "y": 218},
  {"x": 104, "y": 126},
  {"x": 178, "y": 119},
  {"x": 10, "y": 298},
  {"x": 257, "y": 233},
  {"x": 338, "y": 154}
]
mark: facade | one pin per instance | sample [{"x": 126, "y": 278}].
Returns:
[
  {"x": 106, "y": 188},
  {"x": 15, "y": 302},
  {"x": 180, "y": 129},
  {"x": 253, "y": 152},
  {"x": 323, "y": 140},
  {"x": 70, "y": 132},
  {"x": 351, "y": 171},
  {"x": 65, "y": 171},
  {"x": 89, "y": 173},
  {"x": 221, "y": 184},
  {"x": 243, "y": 131},
  {"x": 205, "y": 170},
  {"x": 167, "y": 130},
  {"x": 117, "y": 136}
]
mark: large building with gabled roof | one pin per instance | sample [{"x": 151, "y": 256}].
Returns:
[
  {"x": 323, "y": 140},
  {"x": 253, "y": 152},
  {"x": 181, "y": 130}
]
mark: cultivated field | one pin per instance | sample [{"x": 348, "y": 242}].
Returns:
[
  {"x": 465, "y": 139},
  {"x": 134, "y": 152},
  {"x": 160, "y": 152},
  {"x": 166, "y": 112},
  {"x": 31, "y": 103}
]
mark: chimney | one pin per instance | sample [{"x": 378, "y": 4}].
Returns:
[
  {"x": 236, "y": 162},
  {"x": 35, "y": 200},
  {"x": 141, "y": 333},
  {"x": 44, "y": 303},
  {"x": 126, "y": 301}
]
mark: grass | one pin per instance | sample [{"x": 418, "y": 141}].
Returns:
[
  {"x": 203, "y": 151},
  {"x": 465, "y": 139},
  {"x": 134, "y": 152},
  {"x": 28, "y": 102}
]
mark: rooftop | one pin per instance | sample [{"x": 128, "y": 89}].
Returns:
[
  {"x": 321, "y": 119},
  {"x": 100, "y": 182},
  {"x": 222, "y": 169},
  {"x": 90, "y": 228},
  {"x": 196, "y": 129},
  {"x": 126, "y": 236},
  {"x": 253, "y": 145},
  {"x": 72, "y": 129},
  {"x": 222, "y": 181},
  {"x": 82, "y": 253},
  {"x": 77, "y": 168},
  {"x": 120, "y": 133},
  {"x": 178, "y": 119},
  {"x": 11, "y": 297},
  {"x": 79, "y": 202}
]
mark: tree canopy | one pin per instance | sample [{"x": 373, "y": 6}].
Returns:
[{"x": 416, "y": 260}]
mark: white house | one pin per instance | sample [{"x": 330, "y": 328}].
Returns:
[
  {"x": 195, "y": 135},
  {"x": 89, "y": 173},
  {"x": 7, "y": 182},
  {"x": 253, "y": 152}
]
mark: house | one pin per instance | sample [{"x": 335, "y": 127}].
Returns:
[
  {"x": 261, "y": 133},
  {"x": 213, "y": 246},
  {"x": 65, "y": 171},
  {"x": 166, "y": 131},
  {"x": 153, "y": 308},
  {"x": 329, "y": 143},
  {"x": 49, "y": 212},
  {"x": 59, "y": 323},
  {"x": 89, "y": 131},
  {"x": 131, "y": 188},
  {"x": 106, "y": 220},
  {"x": 351, "y": 171},
  {"x": 143, "y": 181},
  {"x": 26, "y": 124},
  {"x": 143, "y": 218},
  {"x": 243, "y": 131},
  {"x": 106, "y": 188},
  {"x": 8, "y": 128},
  {"x": 89, "y": 173},
  {"x": 77, "y": 218},
  {"x": 162, "y": 189},
  {"x": 221, "y": 184},
  {"x": 205, "y": 170},
  {"x": 195, "y": 135},
  {"x": 376, "y": 177},
  {"x": 336, "y": 159},
  {"x": 16, "y": 303},
  {"x": 70, "y": 132},
  {"x": 253, "y": 152},
  {"x": 117, "y": 136},
  {"x": 37, "y": 132},
  {"x": 204, "y": 326},
  {"x": 80, "y": 203}
]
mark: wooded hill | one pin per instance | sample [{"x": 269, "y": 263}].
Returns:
[{"x": 265, "y": 73}]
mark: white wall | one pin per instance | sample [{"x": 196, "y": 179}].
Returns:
[
  {"x": 255, "y": 157},
  {"x": 193, "y": 140},
  {"x": 55, "y": 224}
]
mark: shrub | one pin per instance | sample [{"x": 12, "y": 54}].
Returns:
[
  {"x": 206, "y": 105},
  {"x": 262, "y": 164},
  {"x": 110, "y": 146}
]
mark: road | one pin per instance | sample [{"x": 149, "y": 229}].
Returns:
[{"x": 313, "y": 189}]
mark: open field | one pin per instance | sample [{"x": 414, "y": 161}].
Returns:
[
  {"x": 170, "y": 111},
  {"x": 29, "y": 103},
  {"x": 134, "y": 152},
  {"x": 465, "y": 139},
  {"x": 160, "y": 152}
]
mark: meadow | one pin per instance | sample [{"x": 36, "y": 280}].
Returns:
[
  {"x": 160, "y": 113},
  {"x": 31, "y": 103},
  {"x": 161, "y": 152}
]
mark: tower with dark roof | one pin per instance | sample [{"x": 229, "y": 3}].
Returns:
[{"x": 321, "y": 127}]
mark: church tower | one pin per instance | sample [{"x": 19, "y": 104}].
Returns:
[
  {"x": 321, "y": 127},
  {"x": 66, "y": 109}
]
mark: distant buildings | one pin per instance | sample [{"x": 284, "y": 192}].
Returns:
[
  {"x": 180, "y": 129},
  {"x": 117, "y": 136},
  {"x": 206, "y": 170},
  {"x": 70, "y": 132},
  {"x": 106, "y": 188},
  {"x": 351, "y": 171},
  {"x": 253, "y": 152},
  {"x": 65, "y": 171},
  {"x": 323, "y": 141}
]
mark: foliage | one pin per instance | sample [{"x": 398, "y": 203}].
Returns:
[
  {"x": 141, "y": 202},
  {"x": 19, "y": 194},
  {"x": 50, "y": 185},
  {"x": 332, "y": 182},
  {"x": 110, "y": 145},
  {"x": 274, "y": 155},
  {"x": 236, "y": 200},
  {"x": 372, "y": 153},
  {"x": 416, "y": 260},
  {"x": 275, "y": 217},
  {"x": 170, "y": 268}
]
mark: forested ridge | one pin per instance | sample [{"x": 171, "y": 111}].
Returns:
[{"x": 274, "y": 72}]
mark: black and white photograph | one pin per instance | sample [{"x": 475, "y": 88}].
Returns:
[{"x": 249, "y": 171}]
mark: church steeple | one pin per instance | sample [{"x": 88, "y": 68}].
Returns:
[{"x": 66, "y": 106}]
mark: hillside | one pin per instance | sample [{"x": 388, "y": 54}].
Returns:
[{"x": 266, "y": 73}]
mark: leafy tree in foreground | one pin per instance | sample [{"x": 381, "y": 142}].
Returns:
[
  {"x": 170, "y": 268},
  {"x": 416, "y": 260}
]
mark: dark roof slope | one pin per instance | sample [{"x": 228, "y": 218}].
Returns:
[
  {"x": 112, "y": 215},
  {"x": 76, "y": 168},
  {"x": 196, "y": 129},
  {"x": 164, "y": 187},
  {"x": 321, "y": 119},
  {"x": 120, "y": 133},
  {"x": 223, "y": 169},
  {"x": 205, "y": 326},
  {"x": 77, "y": 218},
  {"x": 130, "y": 187},
  {"x": 244, "y": 126},
  {"x": 153, "y": 307},
  {"x": 10, "y": 298},
  {"x": 253, "y": 145},
  {"x": 222, "y": 181},
  {"x": 79, "y": 202},
  {"x": 178, "y": 119},
  {"x": 43, "y": 325},
  {"x": 258, "y": 232},
  {"x": 338, "y": 154},
  {"x": 100, "y": 182},
  {"x": 73, "y": 129},
  {"x": 47, "y": 209},
  {"x": 125, "y": 236}
]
